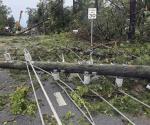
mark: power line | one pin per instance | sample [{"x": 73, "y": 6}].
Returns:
[
  {"x": 39, "y": 109},
  {"x": 91, "y": 121},
  {"x": 109, "y": 103},
  {"x": 148, "y": 106},
  {"x": 112, "y": 106},
  {"x": 28, "y": 58}
]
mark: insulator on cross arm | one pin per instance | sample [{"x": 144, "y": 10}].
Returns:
[
  {"x": 119, "y": 81},
  {"x": 55, "y": 75},
  {"x": 87, "y": 78}
]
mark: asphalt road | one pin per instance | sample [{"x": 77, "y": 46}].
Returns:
[{"x": 7, "y": 86}]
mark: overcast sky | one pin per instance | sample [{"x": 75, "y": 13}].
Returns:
[{"x": 18, "y": 5}]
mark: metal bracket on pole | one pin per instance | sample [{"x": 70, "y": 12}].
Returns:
[
  {"x": 87, "y": 78},
  {"x": 55, "y": 75}
]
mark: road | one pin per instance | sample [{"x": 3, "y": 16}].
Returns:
[{"x": 7, "y": 86}]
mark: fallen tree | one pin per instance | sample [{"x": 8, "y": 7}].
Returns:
[{"x": 134, "y": 71}]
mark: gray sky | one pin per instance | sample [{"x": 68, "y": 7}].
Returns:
[{"x": 18, "y": 5}]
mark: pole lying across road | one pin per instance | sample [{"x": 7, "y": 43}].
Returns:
[{"x": 134, "y": 71}]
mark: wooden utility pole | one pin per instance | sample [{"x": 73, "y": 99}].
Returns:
[{"x": 133, "y": 71}]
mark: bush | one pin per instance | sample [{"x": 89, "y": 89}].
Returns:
[{"x": 20, "y": 104}]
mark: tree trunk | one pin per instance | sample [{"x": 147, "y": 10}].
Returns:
[
  {"x": 80, "y": 3},
  {"x": 74, "y": 6},
  {"x": 43, "y": 17},
  {"x": 97, "y": 5},
  {"x": 132, "y": 25},
  {"x": 62, "y": 9},
  {"x": 30, "y": 28},
  {"x": 147, "y": 5},
  {"x": 134, "y": 71}
]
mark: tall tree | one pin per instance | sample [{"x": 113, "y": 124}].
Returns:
[
  {"x": 132, "y": 19},
  {"x": 147, "y": 5},
  {"x": 4, "y": 11},
  {"x": 43, "y": 16},
  {"x": 61, "y": 14},
  {"x": 74, "y": 6},
  {"x": 11, "y": 22}
]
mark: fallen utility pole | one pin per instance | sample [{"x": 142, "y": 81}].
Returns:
[{"x": 134, "y": 71}]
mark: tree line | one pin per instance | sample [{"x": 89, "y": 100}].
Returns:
[
  {"x": 5, "y": 19},
  {"x": 116, "y": 19}
]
